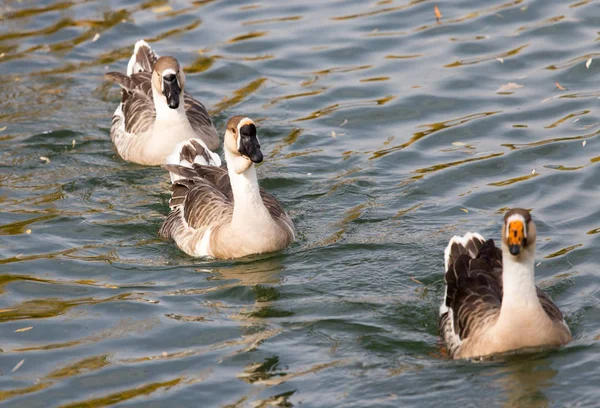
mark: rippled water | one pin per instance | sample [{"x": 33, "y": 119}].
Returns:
[{"x": 385, "y": 132}]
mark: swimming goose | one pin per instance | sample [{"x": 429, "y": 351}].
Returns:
[
  {"x": 222, "y": 212},
  {"x": 155, "y": 113},
  {"x": 491, "y": 304}
]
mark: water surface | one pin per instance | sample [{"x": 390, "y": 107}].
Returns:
[{"x": 385, "y": 132}]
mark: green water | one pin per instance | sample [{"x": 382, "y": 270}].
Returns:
[{"x": 384, "y": 133}]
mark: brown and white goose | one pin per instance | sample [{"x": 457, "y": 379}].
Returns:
[
  {"x": 222, "y": 212},
  {"x": 155, "y": 114},
  {"x": 492, "y": 304}
]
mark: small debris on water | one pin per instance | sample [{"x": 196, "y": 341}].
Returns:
[
  {"x": 438, "y": 14},
  {"x": 588, "y": 63},
  {"x": 584, "y": 143},
  {"x": 509, "y": 87},
  {"x": 45, "y": 159},
  {"x": 24, "y": 329},
  {"x": 16, "y": 367}
]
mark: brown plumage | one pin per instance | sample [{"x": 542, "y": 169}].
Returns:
[
  {"x": 211, "y": 217},
  {"x": 480, "y": 314},
  {"x": 144, "y": 128}
]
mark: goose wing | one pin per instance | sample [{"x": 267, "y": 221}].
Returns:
[
  {"x": 219, "y": 177},
  {"x": 200, "y": 121},
  {"x": 550, "y": 308},
  {"x": 277, "y": 213},
  {"x": 137, "y": 104},
  {"x": 196, "y": 202},
  {"x": 473, "y": 288},
  {"x": 143, "y": 58}
]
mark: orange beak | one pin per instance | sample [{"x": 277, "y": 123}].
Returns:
[{"x": 516, "y": 236}]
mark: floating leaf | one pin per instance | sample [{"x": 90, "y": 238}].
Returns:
[
  {"x": 559, "y": 86},
  {"x": 438, "y": 14},
  {"x": 464, "y": 210}
]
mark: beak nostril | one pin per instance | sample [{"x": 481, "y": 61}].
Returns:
[{"x": 169, "y": 77}]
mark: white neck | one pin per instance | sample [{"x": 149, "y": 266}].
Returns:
[
  {"x": 248, "y": 207},
  {"x": 518, "y": 280},
  {"x": 166, "y": 114}
]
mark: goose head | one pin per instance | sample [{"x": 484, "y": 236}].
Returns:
[
  {"x": 518, "y": 234},
  {"x": 168, "y": 80},
  {"x": 241, "y": 145}
]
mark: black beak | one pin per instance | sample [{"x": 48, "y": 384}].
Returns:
[
  {"x": 514, "y": 249},
  {"x": 171, "y": 90},
  {"x": 249, "y": 145},
  {"x": 257, "y": 157}
]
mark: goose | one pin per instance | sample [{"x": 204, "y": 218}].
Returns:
[
  {"x": 491, "y": 304},
  {"x": 155, "y": 114},
  {"x": 221, "y": 212}
]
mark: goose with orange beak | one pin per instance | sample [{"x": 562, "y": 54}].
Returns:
[{"x": 491, "y": 303}]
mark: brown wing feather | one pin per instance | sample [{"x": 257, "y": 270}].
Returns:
[
  {"x": 137, "y": 101},
  {"x": 200, "y": 121},
  {"x": 195, "y": 203},
  {"x": 210, "y": 184},
  {"x": 145, "y": 58},
  {"x": 139, "y": 112},
  {"x": 474, "y": 288},
  {"x": 475, "y": 291},
  {"x": 549, "y": 307}
]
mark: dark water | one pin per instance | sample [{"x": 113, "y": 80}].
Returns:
[{"x": 385, "y": 134}]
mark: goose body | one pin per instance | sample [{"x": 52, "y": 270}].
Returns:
[
  {"x": 221, "y": 212},
  {"x": 155, "y": 114},
  {"x": 491, "y": 303}
]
